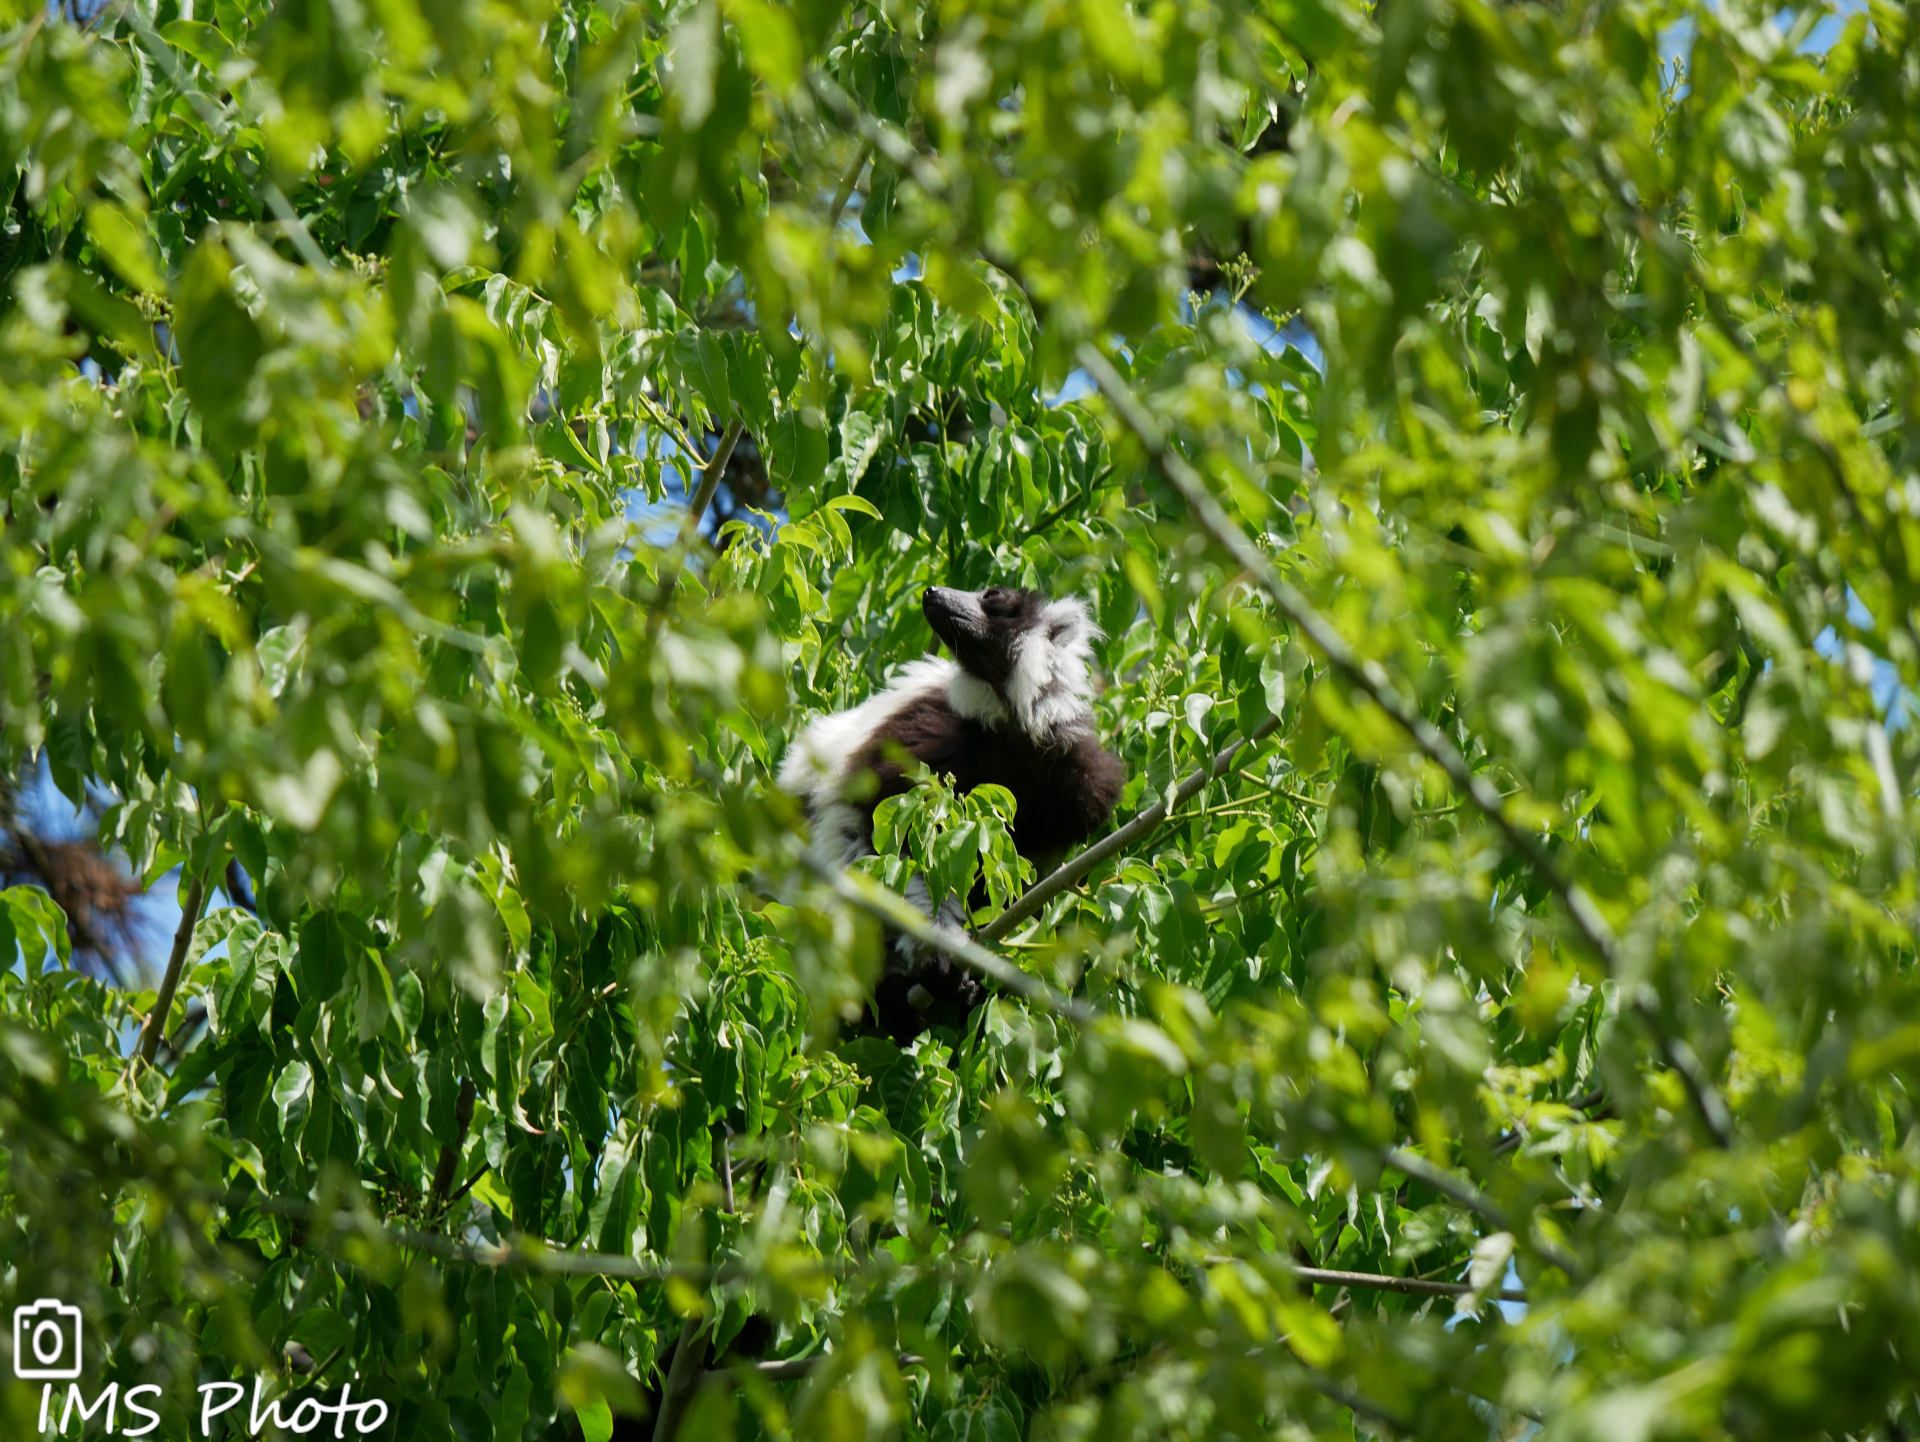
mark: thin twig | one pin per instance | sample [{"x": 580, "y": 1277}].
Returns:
[
  {"x": 470, "y": 1182},
  {"x": 525, "y": 1254},
  {"x": 1354, "y": 1402},
  {"x": 1046, "y": 523},
  {"x": 690, "y": 523},
  {"x": 296, "y": 229},
  {"x": 885, "y": 138},
  {"x": 1511, "y": 1140},
  {"x": 1474, "y": 1200},
  {"x": 170, "y": 982},
  {"x": 1380, "y": 1281},
  {"x": 1418, "y": 1286},
  {"x": 666, "y": 423},
  {"x": 1462, "y": 1191},
  {"x": 438, "y": 1198},
  {"x": 1371, "y": 679},
  {"x": 1071, "y": 870}
]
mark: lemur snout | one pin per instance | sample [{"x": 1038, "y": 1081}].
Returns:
[{"x": 952, "y": 614}]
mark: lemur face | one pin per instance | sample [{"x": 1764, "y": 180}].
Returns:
[{"x": 983, "y": 629}]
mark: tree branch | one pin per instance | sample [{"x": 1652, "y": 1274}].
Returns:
[
  {"x": 469, "y": 1184},
  {"x": 895, "y": 910},
  {"x": 1417, "y": 1286},
  {"x": 523, "y": 1253},
  {"x": 1071, "y": 870},
  {"x": 689, "y": 1369},
  {"x": 1354, "y": 1402},
  {"x": 1371, "y": 679},
  {"x": 1047, "y": 522},
  {"x": 1381, "y": 1282},
  {"x": 879, "y": 135}
]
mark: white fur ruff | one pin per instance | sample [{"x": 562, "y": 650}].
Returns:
[
  {"x": 820, "y": 760},
  {"x": 1049, "y": 685}
]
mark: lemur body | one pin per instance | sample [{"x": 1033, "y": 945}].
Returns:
[{"x": 1010, "y": 709}]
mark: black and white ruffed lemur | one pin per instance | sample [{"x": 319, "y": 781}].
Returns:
[{"x": 1010, "y": 709}]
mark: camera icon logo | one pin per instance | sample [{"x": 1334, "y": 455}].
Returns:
[{"x": 46, "y": 1341}]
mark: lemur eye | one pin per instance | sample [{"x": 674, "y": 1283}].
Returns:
[{"x": 996, "y": 599}]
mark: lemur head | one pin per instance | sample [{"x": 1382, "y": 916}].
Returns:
[{"x": 1026, "y": 655}]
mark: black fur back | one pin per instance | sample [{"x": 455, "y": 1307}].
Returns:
[
  {"x": 1011, "y": 709},
  {"x": 1063, "y": 796}
]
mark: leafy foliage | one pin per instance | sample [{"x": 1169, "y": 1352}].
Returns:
[{"x": 1555, "y": 401}]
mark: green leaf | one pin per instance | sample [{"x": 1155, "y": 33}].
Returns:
[
  {"x": 36, "y": 925},
  {"x": 704, "y": 363},
  {"x": 221, "y": 347},
  {"x": 293, "y": 1097},
  {"x": 770, "y": 40},
  {"x": 123, "y": 240}
]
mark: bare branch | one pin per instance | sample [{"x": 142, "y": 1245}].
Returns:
[
  {"x": 1116, "y": 841},
  {"x": 1377, "y": 1282},
  {"x": 1371, "y": 679},
  {"x": 688, "y": 1370},
  {"x": 903, "y": 916},
  {"x": 1381, "y": 1282}
]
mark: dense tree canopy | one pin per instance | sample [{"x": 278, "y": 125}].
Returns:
[{"x": 1486, "y": 442}]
